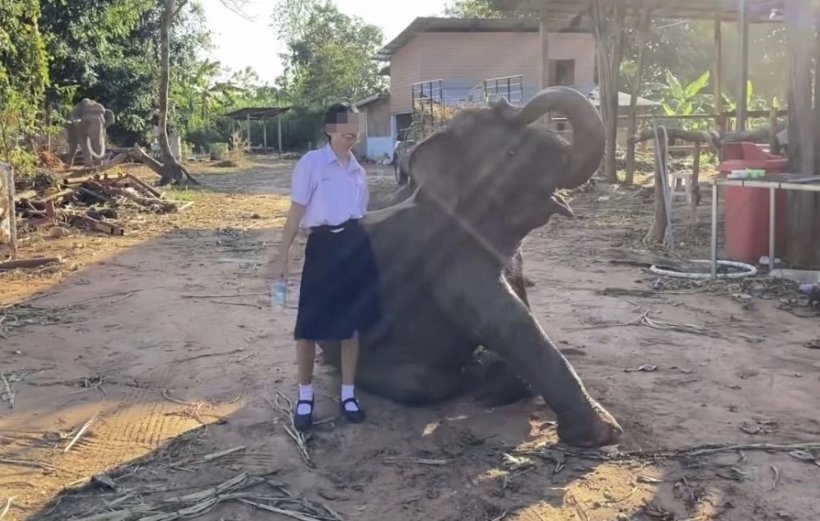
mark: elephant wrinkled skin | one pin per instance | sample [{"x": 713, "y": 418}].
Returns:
[
  {"x": 452, "y": 318},
  {"x": 86, "y": 128}
]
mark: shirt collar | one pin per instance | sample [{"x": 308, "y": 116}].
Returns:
[{"x": 331, "y": 158}]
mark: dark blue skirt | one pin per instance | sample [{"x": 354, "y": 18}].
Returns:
[{"x": 339, "y": 289}]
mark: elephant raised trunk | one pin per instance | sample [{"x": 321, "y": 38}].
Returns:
[{"x": 587, "y": 149}]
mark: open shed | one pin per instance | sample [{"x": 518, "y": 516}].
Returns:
[
  {"x": 263, "y": 115},
  {"x": 607, "y": 18}
]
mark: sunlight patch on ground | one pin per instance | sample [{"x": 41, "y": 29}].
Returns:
[
  {"x": 602, "y": 494},
  {"x": 99, "y": 437}
]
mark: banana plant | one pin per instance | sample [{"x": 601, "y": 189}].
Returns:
[{"x": 678, "y": 99}]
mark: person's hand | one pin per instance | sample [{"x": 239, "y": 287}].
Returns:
[{"x": 277, "y": 268}]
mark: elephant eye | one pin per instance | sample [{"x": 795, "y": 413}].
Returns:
[{"x": 511, "y": 152}]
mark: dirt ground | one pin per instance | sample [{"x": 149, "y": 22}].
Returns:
[{"x": 146, "y": 370}]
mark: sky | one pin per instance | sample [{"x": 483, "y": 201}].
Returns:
[{"x": 240, "y": 43}]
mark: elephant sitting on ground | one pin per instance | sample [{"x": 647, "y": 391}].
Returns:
[
  {"x": 86, "y": 128},
  {"x": 452, "y": 321}
]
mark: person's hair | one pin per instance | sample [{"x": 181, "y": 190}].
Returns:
[{"x": 332, "y": 114}]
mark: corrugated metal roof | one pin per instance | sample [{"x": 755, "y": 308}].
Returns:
[
  {"x": 371, "y": 99},
  {"x": 257, "y": 113}
]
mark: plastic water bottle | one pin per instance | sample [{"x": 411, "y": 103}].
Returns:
[{"x": 279, "y": 294}]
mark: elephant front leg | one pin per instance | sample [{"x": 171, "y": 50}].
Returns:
[{"x": 480, "y": 300}]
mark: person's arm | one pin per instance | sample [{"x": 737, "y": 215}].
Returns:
[
  {"x": 301, "y": 191},
  {"x": 290, "y": 230}
]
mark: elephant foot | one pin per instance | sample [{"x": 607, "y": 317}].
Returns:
[{"x": 596, "y": 429}]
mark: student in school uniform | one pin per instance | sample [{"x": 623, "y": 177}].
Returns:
[{"x": 338, "y": 294}]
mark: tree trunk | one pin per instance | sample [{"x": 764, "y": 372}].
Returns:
[
  {"x": 172, "y": 172},
  {"x": 657, "y": 233},
  {"x": 801, "y": 127},
  {"x": 608, "y": 23},
  {"x": 636, "y": 91}
]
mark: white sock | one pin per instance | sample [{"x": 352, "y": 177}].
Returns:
[
  {"x": 305, "y": 393},
  {"x": 348, "y": 392}
]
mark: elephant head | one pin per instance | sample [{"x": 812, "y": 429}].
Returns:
[
  {"x": 496, "y": 171},
  {"x": 87, "y": 128}
]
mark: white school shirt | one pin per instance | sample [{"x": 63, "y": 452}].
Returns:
[{"x": 331, "y": 193}]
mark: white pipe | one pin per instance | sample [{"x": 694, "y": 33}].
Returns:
[{"x": 749, "y": 271}]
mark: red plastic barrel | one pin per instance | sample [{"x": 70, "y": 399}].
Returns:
[{"x": 747, "y": 209}]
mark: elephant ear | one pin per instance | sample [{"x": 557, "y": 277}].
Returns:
[
  {"x": 109, "y": 118},
  {"x": 436, "y": 164}
]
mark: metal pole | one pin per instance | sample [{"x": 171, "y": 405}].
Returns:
[
  {"x": 248, "y": 121},
  {"x": 714, "y": 228},
  {"x": 772, "y": 200},
  {"x": 279, "y": 131},
  {"x": 743, "y": 33}
]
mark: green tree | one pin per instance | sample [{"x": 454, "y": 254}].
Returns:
[
  {"x": 473, "y": 9},
  {"x": 23, "y": 78},
  {"x": 329, "y": 58},
  {"x": 330, "y": 54}
]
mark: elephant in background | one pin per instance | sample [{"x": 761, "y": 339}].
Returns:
[
  {"x": 86, "y": 128},
  {"x": 447, "y": 258}
]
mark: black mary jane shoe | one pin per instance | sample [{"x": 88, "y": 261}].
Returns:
[
  {"x": 356, "y": 416},
  {"x": 303, "y": 422}
]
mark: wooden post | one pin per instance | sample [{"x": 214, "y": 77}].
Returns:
[
  {"x": 717, "y": 81},
  {"x": 279, "y": 130},
  {"x": 636, "y": 91},
  {"x": 802, "y": 251},
  {"x": 743, "y": 56},
  {"x": 8, "y": 219},
  {"x": 608, "y": 20},
  {"x": 694, "y": 188},
  {"x": 657, "y": 232},
  {"x": 265, "y": 134},
  {"x": 248, "y": 130},
  {"x": 543, "y": 32}
]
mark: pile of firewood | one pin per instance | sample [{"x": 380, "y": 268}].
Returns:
[{"x": 88, "y": 201}]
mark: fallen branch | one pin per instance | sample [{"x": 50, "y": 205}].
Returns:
[
  {"x": 647, "y": 259},
  {"x": 676, "y": 326},
  {"x": 8, "y": 393},
  {"x": 80, "y": 433},
  {"x": 6, "y": 508},
  {"x": 198, "y": 503},
  {"x": 26, "y": 463},
  {"x": 233, "y": 295},
  {"x": 28, "y": 263},
  {"x": 688, "y": 452},
  {"x": 110, "y": 191},
  {"x": 286, "y": 410},
  {"x": 216, "y": 455},
  {"x": 158, "y": 167},
  {"x": 208, "y": 355},
  {"x": 645, "y": 320}
]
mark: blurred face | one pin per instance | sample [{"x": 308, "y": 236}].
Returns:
[{"x": 344, "y": 132}]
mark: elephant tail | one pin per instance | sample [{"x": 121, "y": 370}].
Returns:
[{"x": 91, "y": 148}]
